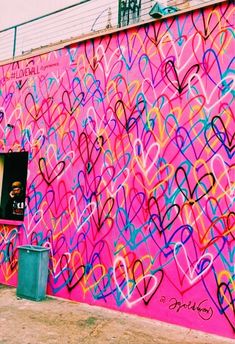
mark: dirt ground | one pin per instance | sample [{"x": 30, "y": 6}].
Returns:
[{"x": 58, "y": 321}]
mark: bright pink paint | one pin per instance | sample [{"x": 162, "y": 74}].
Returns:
[{"x": 131, "y": 173}]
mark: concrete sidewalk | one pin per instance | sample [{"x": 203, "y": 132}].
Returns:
[{"x": 58, "y": 321}]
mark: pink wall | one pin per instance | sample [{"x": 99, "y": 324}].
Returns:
[{"x": 131, "y": 178}]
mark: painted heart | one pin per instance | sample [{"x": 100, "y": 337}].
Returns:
[
  {"x": 212, "y": 63},
  {"x": 132, "y": 47},
  {"x": 146, "y": 160},
  {"x": 32, "y": 224},
  {"x": 99, "y": 118},
  {"x": 165, "y": 242},
  {"x": 7, "y": 100},
  {"x": 203, "y": 185},
  {"x": 91, "y": 48},
  {"x": 231, "y": 224},
  {"x": 163, "y": 173},
  {"x": 180, "y": 83},
  {"x": 225, "y": 178},
  {"x": 90, "y": 151},
  {"x": 8, "y": 258},
  {"x": 80, "y": 220},
  {"x": 50, "y": 176},
  {"x": 74, "y": 271},
  {"x": 144, "y": 284},
  {"x": 71, "y": 103},
  {"x": 151, "y": 73},
  {"x": 118, "y": 182},
  {"x": 56, "y": 245},
  {"x": 37, "y": 110},
  {"x": 128, "y": 117},
  {"x": 226, "y": 299},
  {"x": 206, "y": 22},
  {"x": 132, "y": 235},
  {"x": 33, "y": 141},
  {"x": 224, "y": 136},
  {"x": 162, "y": 217},
  {"x": 102, "y": 216},
  {"x": 154, "y": 33},
  {"x": 193, "y": 272},
  {"x": 61, "y": 198},
  {"x": 88, "y": 185},
  {"x": 54, "y": 120},
  {"x": 194, "y": 147},
  {"x": 222, "y": 91},
  {"x": 150, "y": 282},
  {"x": 179, "y": 48}
]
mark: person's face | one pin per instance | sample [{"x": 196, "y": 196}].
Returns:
[{"x": 16, "y": 191}]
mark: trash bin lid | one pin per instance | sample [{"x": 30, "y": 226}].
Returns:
[{"x": 34, "y": 248}]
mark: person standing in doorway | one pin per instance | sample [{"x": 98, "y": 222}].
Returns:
[{"x": 16, "y": 203}]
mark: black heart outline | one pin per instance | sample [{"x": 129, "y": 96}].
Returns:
[
  {"x": 192, "y": 191},
  {"x": 180, "y": 87},
  {"x": 47, "y": 176},
  {"x": 220, "y": 297},
  {"x": 146, "y": 285}
]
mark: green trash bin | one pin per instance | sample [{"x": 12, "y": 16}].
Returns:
[{"x": 32, "y": 272}]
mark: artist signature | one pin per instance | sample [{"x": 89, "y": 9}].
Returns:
[{"x": 201, "y": 308}]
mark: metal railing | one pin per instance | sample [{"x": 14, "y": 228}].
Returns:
[
  {"x": 72, "y": 21},
  {"x": 81, "y": 19}
]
